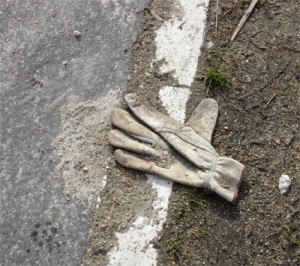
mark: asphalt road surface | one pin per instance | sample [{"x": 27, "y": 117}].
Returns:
[{"x": 52, "y": 51}]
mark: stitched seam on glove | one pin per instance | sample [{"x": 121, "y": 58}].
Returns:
[
  {"x": 185, "y": 138},
  {"x": 210, "y": 174},
  {"x": 152, "y": 142}
]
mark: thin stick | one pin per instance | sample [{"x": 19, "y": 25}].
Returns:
[
  {"x": 253, "y": 159},
  {"x": 243, "y": 19},
  {"x": 217, "y": 11},
  {"x": 216, "y": 136},
  {"x": 271, "y": 99},
  {"x": 153, "y": 14}
]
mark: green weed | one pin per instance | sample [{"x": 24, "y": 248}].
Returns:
[
  {"x": 174, "y": 248},
  {"x": 193, "y": 198},
  {"x": 179, "y": 212},
  {"x": 203, "y": 233},
  {"x": 216, "y": 78},
  {"x": 291, "y": 235}
]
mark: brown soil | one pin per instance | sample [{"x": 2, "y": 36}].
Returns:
[{"x": 258, "y": 125}]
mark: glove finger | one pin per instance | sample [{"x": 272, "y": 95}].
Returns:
[
  {"x": 204, "y": 118},
  {"x": 119, "y": 140},
  {"x": 129, "y": 161},
  {"x": 123, "y": 120},
  {"x": 149, "y": 115},
  {"x": 179, "y": 173},
  {"x": 184, "y": 139},
  {"x": 176, "y": 172}
]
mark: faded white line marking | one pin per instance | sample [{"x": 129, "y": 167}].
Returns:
[
  {"x": 178, "y": 42},
  {"x": 134, "y": 247},
  {"x": 174, "y": 99}
]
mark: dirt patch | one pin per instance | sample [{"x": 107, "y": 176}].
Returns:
[
  {"x": 123, "y": 200},
  {"x": 258, "y": 125},
  {"x": 92, "y": 177},
  {"x": 146, "y": 79},
  {"x": 84, "y": 149}
]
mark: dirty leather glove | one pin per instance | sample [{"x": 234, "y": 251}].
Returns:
[
  {"x": 219, "y": 174},
  {"x": 222, "y": 175}
]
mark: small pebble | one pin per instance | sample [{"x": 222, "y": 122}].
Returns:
[
  {"x": 247, "y": 78},
  {"x": 284, "y": 184},
  {"x": 65, "y": 62},
  {"x": 77, "y": 34},
  {"x": 210, "y": 45}
]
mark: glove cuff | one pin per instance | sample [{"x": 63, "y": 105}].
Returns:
[{"x": 225, "y": 178}]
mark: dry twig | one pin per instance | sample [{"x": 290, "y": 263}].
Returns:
[
  {"x": 243, "y": 19},
  {"x": 153, "y": 14},
  {"x": 271, "y": 99},
  {"x": 217, "y": 11}
]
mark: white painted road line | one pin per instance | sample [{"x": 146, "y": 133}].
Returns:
[
  {"x": 179, "y": 40},
  {"x": 134, "y": 247},
  {"x": 178, "y": 43},
  {"x": 174, "y": 99}
]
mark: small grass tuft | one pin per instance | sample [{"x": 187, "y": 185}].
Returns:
[
  {"x": 179, "y": 212},
  {"x": 193, "y": 198},
  {"x": 203, "y": 233},
  {"x": 216, "y": 78},
  {"x": 174, "y": 248},
  {"x": 291, "y": 235}
]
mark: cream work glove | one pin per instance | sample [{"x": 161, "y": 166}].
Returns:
[{"x": 203, "y": 167}]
